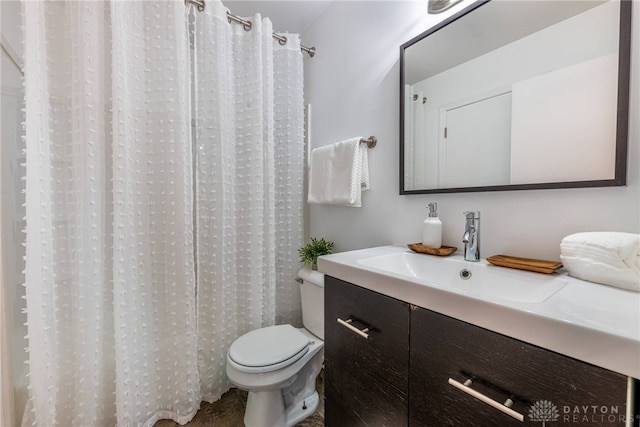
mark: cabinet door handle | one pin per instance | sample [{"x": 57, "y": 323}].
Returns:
[
  {"x": 499, "y": 406},
  {"x": 347, "y": 323}
]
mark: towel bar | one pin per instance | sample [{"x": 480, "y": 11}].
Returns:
[{"x": 371, "y": 141}]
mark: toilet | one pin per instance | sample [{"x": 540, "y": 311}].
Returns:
[{"x": 278, "y": 365}]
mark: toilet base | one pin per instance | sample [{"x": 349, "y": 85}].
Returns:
[
  {"x": 300, "y": 411},
  {"x": 266, "y": 408}
]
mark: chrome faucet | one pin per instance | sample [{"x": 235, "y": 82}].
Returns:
[{"x": 471, "y": 236}]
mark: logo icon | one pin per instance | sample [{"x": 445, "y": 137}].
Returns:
[{"x": 543, "y": 410}]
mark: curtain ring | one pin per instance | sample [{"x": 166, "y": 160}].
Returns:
[
  {"x": 282, "y": 40},
  {"x": 245, "y": 24}
]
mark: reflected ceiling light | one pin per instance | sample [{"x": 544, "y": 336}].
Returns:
[{"x": 438, "y": 6}]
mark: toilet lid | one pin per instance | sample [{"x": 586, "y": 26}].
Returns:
[{"x": 268, "y": 346}]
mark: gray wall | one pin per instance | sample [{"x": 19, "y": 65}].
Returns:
[
  {"x": 353, "y": 86},
  {"x": 12, "y": 211}
]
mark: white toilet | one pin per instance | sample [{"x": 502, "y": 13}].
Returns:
[{"x": 279, "y": 364}]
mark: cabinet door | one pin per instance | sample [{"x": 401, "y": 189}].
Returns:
[
  {"x": 544, "y": 386},
  {"x": 366, "y": 379}
]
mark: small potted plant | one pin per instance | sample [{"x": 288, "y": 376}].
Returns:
[{"x": 310, "y": 252}]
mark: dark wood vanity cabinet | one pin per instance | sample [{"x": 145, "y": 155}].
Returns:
[
  {"x": 366, "y": 380},
  {"x": 412, "y": 368},
  {"x": 543, "y": 385}
]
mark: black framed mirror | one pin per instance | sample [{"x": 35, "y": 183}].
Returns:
[{"x": 517, "y": 95}]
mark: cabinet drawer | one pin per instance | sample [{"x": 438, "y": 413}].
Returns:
[
  {"x": 544, "y": 386},
  {"x": 385, "y": 353},
  {"x": 355, "y": 400},
  {"x": 366, "y": 377}
]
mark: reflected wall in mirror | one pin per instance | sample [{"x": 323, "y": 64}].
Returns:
[{"x": 512, "y": 95}]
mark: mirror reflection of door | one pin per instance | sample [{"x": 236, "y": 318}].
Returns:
[
  {"x": 567, "y": 66},
  {"x": 475, "y": 143}
]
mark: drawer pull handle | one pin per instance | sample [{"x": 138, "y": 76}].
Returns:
[
  {"x": 506, "y": 408},
  {"x": 347, "y": 323}
]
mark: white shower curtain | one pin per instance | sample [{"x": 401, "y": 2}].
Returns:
[
  {"x": 110, "y": 275},
  {"x": 249, "y": 156},
  {"x": 130, "y": 313}
]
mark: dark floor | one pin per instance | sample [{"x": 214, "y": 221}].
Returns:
[{"x": 229, "y": 411}]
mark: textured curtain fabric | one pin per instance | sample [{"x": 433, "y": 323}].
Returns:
[
  {"x": 249, "y": 173},
  {"x": 131, "y": 313},
  {"x": 110, "y": 265},
  {"x": 289, "y": 176}
]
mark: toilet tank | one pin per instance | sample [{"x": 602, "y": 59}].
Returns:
[{"x": 312, "y": 296}]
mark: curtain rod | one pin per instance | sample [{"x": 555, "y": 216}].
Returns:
[{"x": 247, "y": 26}]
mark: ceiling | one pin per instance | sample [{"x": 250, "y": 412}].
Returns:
[{"x": 292, "y": 16}]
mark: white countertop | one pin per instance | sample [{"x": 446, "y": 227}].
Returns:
[{"x": 597, "y": 324}]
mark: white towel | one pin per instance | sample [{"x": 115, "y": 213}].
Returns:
[
  {"x": 339, "y": 173},
  {"x": 610, "y": 258}
]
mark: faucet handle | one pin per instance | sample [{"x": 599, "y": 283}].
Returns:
[{"x": 472, "y": 214}]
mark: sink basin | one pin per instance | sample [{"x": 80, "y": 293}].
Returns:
[{"x": 478, "y": 279}]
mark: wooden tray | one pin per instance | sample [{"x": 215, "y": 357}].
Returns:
[
  {"x": 441, "y": 251},
  {"x": 537, "y": 265}
]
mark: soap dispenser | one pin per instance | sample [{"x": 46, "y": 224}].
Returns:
[{"x": 432, "y": 228}]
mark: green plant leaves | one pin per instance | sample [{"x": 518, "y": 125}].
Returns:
[{"x": 310, "y": 252}]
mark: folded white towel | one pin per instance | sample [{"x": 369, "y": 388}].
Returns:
[
  {"x": 611, "y": 258},
  {"x": 339, "y": 173}
]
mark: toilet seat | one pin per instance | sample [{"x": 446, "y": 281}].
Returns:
[{"x": 268, "y": 349}]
